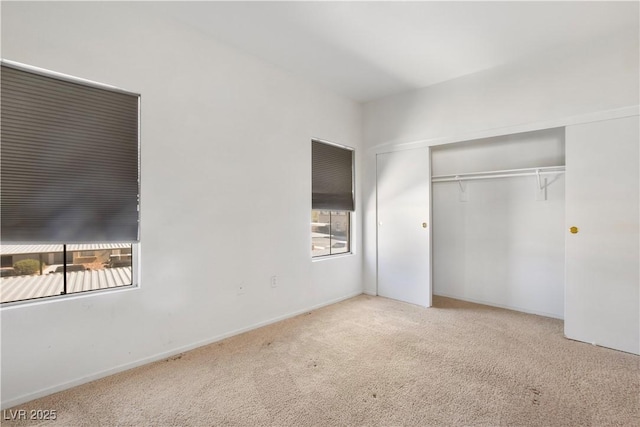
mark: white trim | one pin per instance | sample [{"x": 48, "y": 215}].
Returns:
[
  {"x": 430, "y": 227},
  {"x": 65, "y": 77},
  {"x": 322, "y": 141},
  {"x": 135, "y": 265},
  {"x": 632, "y": 110},
  {"x": 377, "y": 293},
  {"x": 328, "y": 257},
  {"x": 160, "y": 356}
]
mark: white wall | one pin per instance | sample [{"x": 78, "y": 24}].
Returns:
[
  {"x": 597, "y": 77},
  {"x": 547, "y": 91},
  {"x": 501, "y": 244},
  {"x": 226, "y": 170}
]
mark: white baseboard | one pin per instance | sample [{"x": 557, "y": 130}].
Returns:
[{"x": 164, "y": 355}]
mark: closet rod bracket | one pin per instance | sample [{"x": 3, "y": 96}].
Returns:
[
  {"x": 460, "y": 183},
  {"x": 540, "y": 186}
]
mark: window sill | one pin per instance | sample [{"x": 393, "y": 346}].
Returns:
[{"x": 328, "y": 257}]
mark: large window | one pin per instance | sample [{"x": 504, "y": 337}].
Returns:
[
  {"x": 69, "y": 184},
  {"x": 332, "y": 199}
]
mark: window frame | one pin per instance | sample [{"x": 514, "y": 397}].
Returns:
[
  {"x": 349, "y": 238},
  {"x": 135, "y": 245},
  {"x": 351, "y": 214}
]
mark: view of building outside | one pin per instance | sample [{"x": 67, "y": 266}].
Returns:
[
  {"x": 329, "y": 232},
  {"x": 35, "y": 271}
]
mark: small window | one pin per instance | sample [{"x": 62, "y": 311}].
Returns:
[{"x": 332, "y": 199}]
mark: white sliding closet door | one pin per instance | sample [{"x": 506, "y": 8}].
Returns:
[
  {"x": 602, "y": 287},
  {"x": 403, "y": 198}
]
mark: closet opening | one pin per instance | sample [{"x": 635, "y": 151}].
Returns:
[{"x": 498, "y": 217}]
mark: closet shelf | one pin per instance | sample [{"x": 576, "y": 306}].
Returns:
[{"x": 546, "y": 170}]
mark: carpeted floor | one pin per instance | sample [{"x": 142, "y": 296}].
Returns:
[{"x": 373, "y": 361}]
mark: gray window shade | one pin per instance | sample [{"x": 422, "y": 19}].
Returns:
[
  {"x": 69, "y": 161},
  {"x": 332, "y": 177}
]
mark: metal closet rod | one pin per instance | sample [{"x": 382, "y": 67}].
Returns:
[{"x": 546, "y": 170}]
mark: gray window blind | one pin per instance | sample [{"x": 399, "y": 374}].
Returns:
[
  {"x": 332, "y": 176},
  {"x": 69, "y": 157}
]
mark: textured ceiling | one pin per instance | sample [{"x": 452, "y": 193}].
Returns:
[{"x": 367, "y": 50}]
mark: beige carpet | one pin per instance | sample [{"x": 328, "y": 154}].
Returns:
[{"x": 373, "y": 361}]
